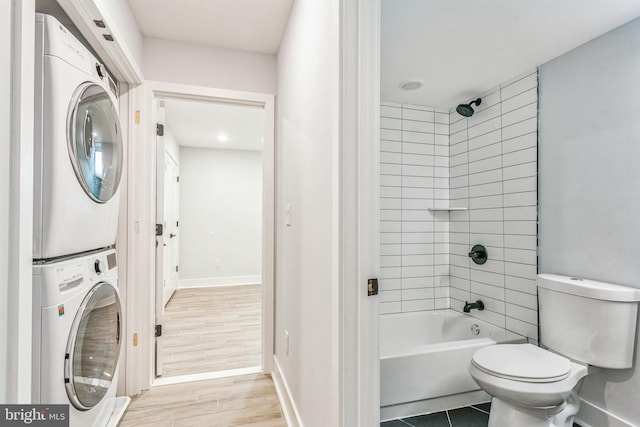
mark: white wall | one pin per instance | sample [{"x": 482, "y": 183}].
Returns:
[
  {"x": 493, "y": 173},
  {"x": 590, "y": 181},
  {"x": 123, "y": 19},
  {"x": 171, "y": 144},
  {"x": 307, "y": 252},
  {"x": 414, "y": 176},
  {"x": 220, "y": 213},
  {"x": 185, "y": 63}
]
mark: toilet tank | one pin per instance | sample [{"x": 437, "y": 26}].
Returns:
[{"x": 588, "y": 321}]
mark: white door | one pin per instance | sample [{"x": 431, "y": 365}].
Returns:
[{"x": 170, "y": 226}]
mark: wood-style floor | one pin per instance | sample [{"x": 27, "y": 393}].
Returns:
[
  {"x": 212, "y": 329},
  {"x": 248, "y": 400}
]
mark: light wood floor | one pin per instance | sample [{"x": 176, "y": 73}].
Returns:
[
  {"x": 248, "y": 400},
  {"x": 212, "y": 329}
]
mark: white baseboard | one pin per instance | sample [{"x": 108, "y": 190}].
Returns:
[
  {"x": 289, "y": 409},
  {"x": 209, "y": 282},
  {"x": 591, "y": 415}
]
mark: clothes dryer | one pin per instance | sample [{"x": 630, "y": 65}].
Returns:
[
  {"x": 78, "y": 148},
  {"x": 77, "y": 332}
]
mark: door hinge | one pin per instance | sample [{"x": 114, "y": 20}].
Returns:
[
  {"x": 159, "y": 129},
  {"x": 372, "y": 287},
  {"x": 159, "y": 229},
  {"x": 158, "y": 331},
  {"x": 177, "y": 223},
  {"x": 177, "y": 179},
  {"x": 177, "y": 268}
]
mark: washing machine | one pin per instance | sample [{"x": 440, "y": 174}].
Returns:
[
  {"x": 77, "y": 337},
  {"x": 78, "y": 150}
]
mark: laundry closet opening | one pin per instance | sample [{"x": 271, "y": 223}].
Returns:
[{"x": 210, "y": 194}]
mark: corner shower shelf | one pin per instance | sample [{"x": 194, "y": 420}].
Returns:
[{"x": 447, "y": 209}]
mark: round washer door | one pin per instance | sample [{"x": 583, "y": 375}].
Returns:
[
  {"x": 94, "y": 140},
  {"x": 93, "y": 348}
]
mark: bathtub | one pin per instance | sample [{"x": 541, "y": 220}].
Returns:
[{"x": 424, "y": 360}]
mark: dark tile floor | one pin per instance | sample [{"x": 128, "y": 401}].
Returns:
[{"x": 470, "y": 416}]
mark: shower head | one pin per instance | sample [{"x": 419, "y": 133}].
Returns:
[{"x": 466, "y": 110}]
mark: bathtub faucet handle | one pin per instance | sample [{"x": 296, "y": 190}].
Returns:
[{"x": 468, "y": 306}]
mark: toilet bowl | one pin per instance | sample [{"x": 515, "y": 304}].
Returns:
[
  {"x": 531, "y": 386},
  {"x": 585, "y": 325}
]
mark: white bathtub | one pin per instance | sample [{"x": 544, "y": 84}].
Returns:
[{"x": 424, "y": 360}]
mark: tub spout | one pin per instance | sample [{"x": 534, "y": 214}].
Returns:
[{"x": 468, "y": 306}]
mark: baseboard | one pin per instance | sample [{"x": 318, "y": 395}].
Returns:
[
  {"x": 289, "y": 409},
  {"x": 209, "y": 282},
  {"x": 591, "y": 415}
]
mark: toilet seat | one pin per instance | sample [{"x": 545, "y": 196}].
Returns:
[{"x": 522, "y": 362}]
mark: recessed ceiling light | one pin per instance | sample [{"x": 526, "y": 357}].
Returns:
[
  {"x": 223, "y": 138},
  {"x": 411, "y": 84}
]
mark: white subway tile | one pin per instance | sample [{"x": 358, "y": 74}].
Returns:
[
  {"x": 441, "y": 259},
  {"x": 521, "y": 284},
  {"x": 528, "y": 198},
  {"x": 491, "y": 189},
  {"x": 417, "y": 226},
  {"x": 412, "y": 170},
  {"x": 442, "y": 129},
  {"x": 525, "y": 98},
  {"x": 520, "y": 242},
  {"x": 417, "y": 148},
  {"x": 460, "y": 288},
  {"x": 520, "y": 128},
  {"x": 390, "y": 180},
  {"x": 495, "y": 240},
  {"x": 520, "y": 142},
  {"x": 522, "y": 299},
  {"x": 485, "y": 202},
  {"x": 441, "y": 139},
  {"x": 459, "y": 193},
  {"x": 522, "y": 313},
  {"x": 484, "y": 128},
  {"x": 389, "y": 169},
  {"x": 484, "y": 115},
  {"x": 492, "y": 265},
  {"x": 484, "y": 227},
  {"x": 459, "y": 126},
  {"x": 519, "y": 86},
  {"x": 441, "y": 172},
  {"x": 496, "y": 319},
  {"x": 390, "y": 226},
  {"x": 522, "y": 256},
  {"x": 441, "y": 161},
  {"x": 417, "y": 282},
  {"x": 485, "y": 152},
  {"x": 390, "y": 203},
  {"x": 390, "y": 272},
  {"x": 456, "y": 171},
  {"x": 455, "y": 216},
  {"x": 519, "y": 185},
  {"x": 415, "y": 126},
  {"x": 460, "y": 272},
  {"x": 412, "y": 204},
  {"x": 458, "y": 138},
  {"x": 416, "y": 114},
  {"x": 521, "y": 227},
  {"x": 486, "y": 290},
  {"x": 459, "y": 260},
  {"x": 389, "y": 123},
  {"x": 525, "y": 271},
  {"x": 386, "y": 157},
  {"x": 418, "y": 293},
  {"x": 417, "y": 159},
  {"x": 460, "y": 238},
  {"x": 415, "y": 215},
  {"x": 441, "y": 150},
  {"x": 441, "y": 303},
  {"x": 487, "y": 277},
  {"x": 520, "y": 114},
  {"x": 390, "y": 146},
  {"x": 442, "y": 118},
  {"x": 416, "y": 237},
  {"x": 417, "y": 181},
  {"x": 388, "y": 111},
  {"x": 418, "y": 249},
  {"x": 390, "y": 250},
  {"x": 390, "y": 296},
  {"x": 523, "y": 328},
  {"x": 484, "y": 140},
  {"x": 417, "y": 305},
  {"x": 485, "y": 165},
  {"x": 417, "y": 271},
  {"x": 390, "y": 135},
  {"x": 390, "y": 307},
  {"x": 417, "y": 260},
  {"x": 390, "y": 215},
  {"x": 391, "y": 192},
  {"x": 521, "y": 156},
  {"x": 390, "y": 238},
  {"x": 520, "y": 171},
  {"x": 486, "y": 177},
  {"x": 418, "y": 137},
  {"x": 442, "y": 291},
  {"x": 390, "y": 284},
  {"x": 525, "y": 213},
  {"x": 485, "y": 214}
]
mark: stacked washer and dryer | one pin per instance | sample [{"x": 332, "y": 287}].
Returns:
[{"x": 78, "y": 152}]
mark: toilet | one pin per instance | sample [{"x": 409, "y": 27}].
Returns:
[{"x": 585, "y": 326}]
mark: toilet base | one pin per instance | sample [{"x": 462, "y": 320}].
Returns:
[{"x": 508, "y": 414}]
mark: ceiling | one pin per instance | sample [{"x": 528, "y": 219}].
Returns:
[
  {"x": 249, "y": 25},
  {"x": 198, "y": 124},
  {"x": 460, "y": 48}
]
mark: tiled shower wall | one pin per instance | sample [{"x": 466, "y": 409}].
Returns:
[
  {"x": 486, "y": 163},
  {"x": 414, "y": 176},
  {"x": 493, "y": 157}
]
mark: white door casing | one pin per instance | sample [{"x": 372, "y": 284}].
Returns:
[
  {"x": 170, "y": 235},
  {"x": 158, "y": 291}
]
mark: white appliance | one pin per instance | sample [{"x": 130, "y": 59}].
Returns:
[
  {"x": 585, "y": 325},
  {"x": 77, "y": 337},
  {"x": 78, "y": 147}
]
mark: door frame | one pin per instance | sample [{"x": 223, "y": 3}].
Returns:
[{"x": 155, "y": 90}]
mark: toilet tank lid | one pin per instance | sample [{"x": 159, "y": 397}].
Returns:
[{"x": 588, "y": 288}]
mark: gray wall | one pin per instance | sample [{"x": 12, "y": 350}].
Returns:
[{"x": 589, "y": 180}]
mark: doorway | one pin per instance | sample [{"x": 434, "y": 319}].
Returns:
[{"x": 214, "y": 243}]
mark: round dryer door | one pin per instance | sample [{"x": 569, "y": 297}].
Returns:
[
  {"x": 95, "y": 142},
  {"x": 93, "y": 347}
]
